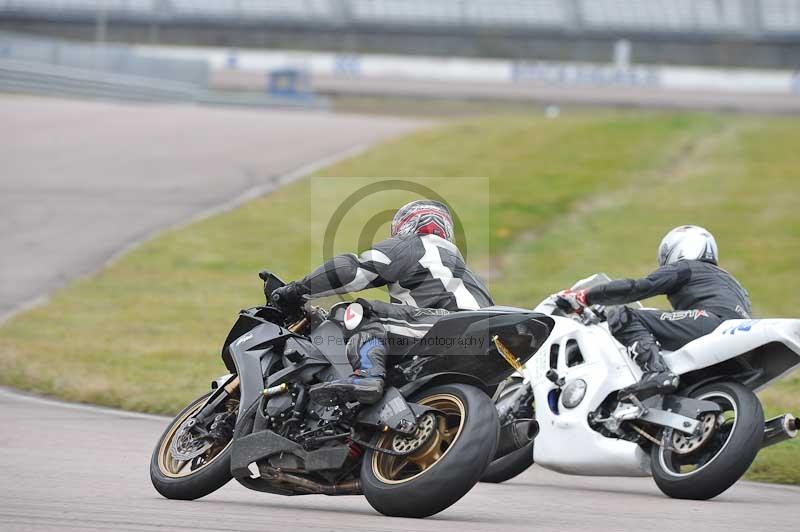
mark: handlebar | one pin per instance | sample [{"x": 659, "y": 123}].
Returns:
[{"x": 587, "y": 315}]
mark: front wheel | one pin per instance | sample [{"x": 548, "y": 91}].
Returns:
[
  {"x": 202, "y": 465},
  {"x": 443, "y": 460},
  {"x": 703, "y": 466},
  {"x": 509, "y": 466}
]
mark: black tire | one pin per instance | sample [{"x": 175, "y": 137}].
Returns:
[
  {"x": 509, "y": 466},
  {"x": 453, "y": 475},
  {"x": 730, "y": 463},
  {"x": 198, "y": 484}
]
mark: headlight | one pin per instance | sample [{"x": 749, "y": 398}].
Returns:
[{"x": 573, "y": 393}]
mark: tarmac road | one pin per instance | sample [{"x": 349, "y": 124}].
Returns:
[
  {"x": 67, "y": 467},
  {"x": 80, "y": 181}
]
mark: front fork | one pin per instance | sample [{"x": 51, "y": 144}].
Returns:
[{"x": 224, "y": 387}]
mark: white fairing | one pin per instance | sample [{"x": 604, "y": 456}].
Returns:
[
  {"x": 777, "y": 340},
  {"x": 567, "y": 444}
]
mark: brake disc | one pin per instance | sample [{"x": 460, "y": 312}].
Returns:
[
  {"x": 426, "y": 427},
  {"x": 185, "y": 445},
  {"x": 683, "y": 444}
]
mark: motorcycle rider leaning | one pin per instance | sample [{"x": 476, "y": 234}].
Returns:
[
  {"x": 702, "y": 294},
  {"x": 426, "y": 277}
]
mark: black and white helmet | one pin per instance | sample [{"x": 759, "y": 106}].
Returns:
[
  {"x": 423, "y": 217},
  {"x": 688, "y": 242}
]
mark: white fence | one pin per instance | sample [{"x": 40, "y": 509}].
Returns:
[{"x": 391, "y": 67}]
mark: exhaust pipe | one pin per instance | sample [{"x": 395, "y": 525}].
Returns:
[
  {"x": 516, "y": 435},
  {"x": 780, "y": 429},
  {"x": 351, "y": 487}
]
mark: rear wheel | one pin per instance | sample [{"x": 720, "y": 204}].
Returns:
[
  {"x": 202, "y": 465},
  {"x": 442, "y": 462},
  {"x": 704, "y": 466}
]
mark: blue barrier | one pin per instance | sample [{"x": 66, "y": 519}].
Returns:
[{"x": 291, "y": 83}]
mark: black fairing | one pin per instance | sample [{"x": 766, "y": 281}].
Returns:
[
  {"x": 248, "y": 319},
  {"x": 462, "y": 343},
  {"x": 329, "y": 340},
  {"x": 255, "y": 346},
  {"x": 253, "y": 353}
]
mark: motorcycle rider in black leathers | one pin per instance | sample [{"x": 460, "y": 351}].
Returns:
[
  {"x": 702, "y": 294},
  {"x": 426, "y": 277}
]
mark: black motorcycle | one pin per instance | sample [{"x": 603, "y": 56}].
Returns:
[{"x": 413, "y": 454}]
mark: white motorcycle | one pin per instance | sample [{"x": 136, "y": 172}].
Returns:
[{"x": 695, "y": 443}]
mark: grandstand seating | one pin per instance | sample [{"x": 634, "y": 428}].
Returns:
[{"x": 750, "y": 17}]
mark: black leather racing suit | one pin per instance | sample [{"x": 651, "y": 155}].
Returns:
[
  {"x": 426, "y": 277},
  {"x": 702, "y": 294}
]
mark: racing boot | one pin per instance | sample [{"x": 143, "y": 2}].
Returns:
[
  {"x": 367, "y": 355},
  {"x": 657, "y": 378}
]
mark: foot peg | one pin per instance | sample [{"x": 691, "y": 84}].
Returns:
[{"x": 652, "y": 383}]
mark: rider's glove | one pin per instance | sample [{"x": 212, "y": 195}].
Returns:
[
  {"x": 288, "y": 297},
  {"x": 572, "y": 300}
]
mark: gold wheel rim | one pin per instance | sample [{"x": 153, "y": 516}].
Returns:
[
  {"x": 173, "y": 468},
  {"x": 399, "y": 469}
]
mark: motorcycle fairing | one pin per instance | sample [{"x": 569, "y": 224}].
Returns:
[
  {"x": 248, "y": 320},
  {"x": 461, "y": 342},
  {"x": 770, "y": 347},
  {"x": 255, "y": 350},
  {"x": 329, "y": 340},
  {"x": 303, "y": 370},
  {"x": 566, "y": 443},
  {"x": 266, "y": 443}
]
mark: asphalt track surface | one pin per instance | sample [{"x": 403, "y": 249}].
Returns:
[
  {"x": 82, "y": 181},
  {"x": 66, "y": 467},
  {"x": 72, "y": 194}
]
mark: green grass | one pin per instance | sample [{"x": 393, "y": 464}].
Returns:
[{"x": 552, "y": 201}]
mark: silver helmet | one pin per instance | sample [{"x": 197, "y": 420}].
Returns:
[{"x": 688, "y": 242}]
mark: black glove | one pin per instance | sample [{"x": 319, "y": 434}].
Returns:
[{"x": 288, "y": 297}]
